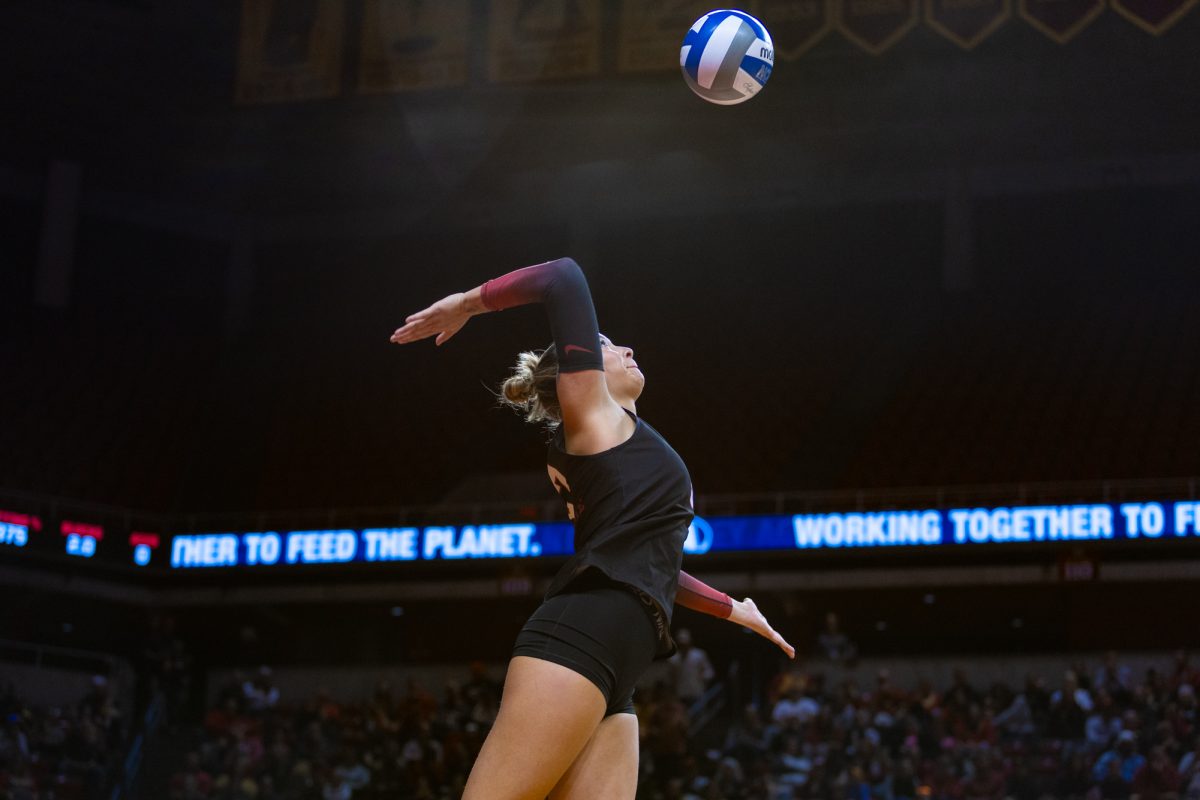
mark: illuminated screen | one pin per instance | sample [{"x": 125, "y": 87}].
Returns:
[
  {"x": 24, "y": 535},
  {"x": 947, "y": 528}
]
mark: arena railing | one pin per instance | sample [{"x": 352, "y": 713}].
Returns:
[{"x": 49, "y": 507}]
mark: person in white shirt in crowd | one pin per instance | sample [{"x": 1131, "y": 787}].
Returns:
[
  {"x": 1071, "y": 688},
  {"x": 794, "y": 708},
  {"x": 1016, "y": 720},
  {"x": 691, "y": 669}
]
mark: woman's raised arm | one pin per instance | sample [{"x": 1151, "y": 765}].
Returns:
[{"x": 560, "y": 286}]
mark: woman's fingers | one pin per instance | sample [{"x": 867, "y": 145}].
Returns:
[
  {"x": 413, "y": 330},
  {"x": 423, "y": 329},
  {"x": 770, "y": 633},
  {"x": 444, "y": 319}
]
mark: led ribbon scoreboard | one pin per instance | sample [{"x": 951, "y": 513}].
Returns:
[{"x": 1149, "y": 523}]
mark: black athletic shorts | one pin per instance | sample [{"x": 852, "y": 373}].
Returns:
[{"x": 598, "y": 629}]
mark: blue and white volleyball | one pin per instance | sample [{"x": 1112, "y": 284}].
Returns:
[{"x": 727, "y": 57}]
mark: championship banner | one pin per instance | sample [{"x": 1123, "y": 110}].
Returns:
[
  {"x": 876, "y": 25},
  {"x": 795, "y": 25},
  {"x": 532, "y": 39},
  {"x": 290, "y": 50},
  {"x": 413, "y": 44},
  {"x": 967, "y": 22},
  {"x": 1061, "y": 20},
  {"x": 1153, "y": 16},
  {"x": 650, "y": 33}
]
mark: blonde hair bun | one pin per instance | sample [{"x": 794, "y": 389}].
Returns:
[
  {"x": 532, "y": 388},
  {"x": 518, "y": 387}
]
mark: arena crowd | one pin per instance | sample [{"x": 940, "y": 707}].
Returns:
[
  {"x": 1098, "y": 733},
  {"x": 60, "y": 753}
]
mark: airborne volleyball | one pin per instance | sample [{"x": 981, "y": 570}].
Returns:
[{"x": 727, "y": 56}]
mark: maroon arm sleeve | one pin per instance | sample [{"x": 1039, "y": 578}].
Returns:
[
  {"x": 701, "y": 597},
  {"x": 561, "y": 287}
]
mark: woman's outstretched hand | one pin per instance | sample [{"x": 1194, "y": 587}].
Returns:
[
  {"x": 746, "y": 614},
  {"x": 443, "y": 319}
]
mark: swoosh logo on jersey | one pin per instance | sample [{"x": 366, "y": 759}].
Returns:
[{"x": 567, "y": 350}]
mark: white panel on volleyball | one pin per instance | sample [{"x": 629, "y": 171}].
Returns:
[{"x": 716, "y": 49}]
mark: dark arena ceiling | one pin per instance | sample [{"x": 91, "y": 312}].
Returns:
[{"x": 931, "y": 265}]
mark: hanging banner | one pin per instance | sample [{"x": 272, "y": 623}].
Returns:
[
  {"x": 875, "y": 25},
  {"x": 532, "y": 39},
  {"x": 290, "y": 50},
  {"x": 1153, "y": 16},
  {"x": 796, "y": 25},
  {"x": 650, "y": 33},
  {"x": 967, "y": 22},
  {"x": 1061, "y": 20},
  {"x": 413, "y": 44}
]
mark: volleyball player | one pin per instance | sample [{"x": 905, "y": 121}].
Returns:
[{"x": 566, "y": 727}]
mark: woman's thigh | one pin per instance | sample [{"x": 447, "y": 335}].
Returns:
[
  {"x": 608, "y": 765},
  {"x": 548, "y": 714}
]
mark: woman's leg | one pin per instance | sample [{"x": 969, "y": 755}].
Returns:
[
  {"x": 547, "y": 715},
  {"x": 608, "y": 765}
]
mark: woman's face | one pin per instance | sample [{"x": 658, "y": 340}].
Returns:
[{"x": 621, "y": 371}]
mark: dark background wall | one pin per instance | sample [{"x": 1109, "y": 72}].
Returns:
[{"x": 926, "y": 267}]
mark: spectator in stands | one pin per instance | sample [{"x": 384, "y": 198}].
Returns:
[
  {"x": 961, "y": 693},
  {"x": 1069, "y": 707},
  {"x": 665, "y": 733},
  {"x": 794, "y": 763},
  {"x": 989, "y": 778},
  {"x": 1113, "y": 677},
  {"x": 1182, "y": 671},
  {"x": 479, "y": 682},
  {"x": 1157, "y": 779},
  {"x": 349, "y": 776},
  {"x": 748, "y": 739},
  {"x": 833, "y": 643},
  {"x": 1125, "y": 755},
  {"x": 1015, "y": 722},
  {"x": 904, "y": 784},
  {"x": 1075, "y": 777},
  {"x": 1103, "y": 723},
  {"x": 1113, "y": 785},
  {"x": 260, "y": 694},
  {"x": 690, "y": 668},
  {"x": 1188, "y": 709},
  {"x": 795, "y": 708},
  {"x": 14, "y": 742},
  {"x": 192, "y": 782},
  {"x": 1189, "y": 772},
  {"x": 21, "y": 783}
]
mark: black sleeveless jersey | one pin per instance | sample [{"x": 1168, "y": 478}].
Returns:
[{"x": 631, "y": 506}]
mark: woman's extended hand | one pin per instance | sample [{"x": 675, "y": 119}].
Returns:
[
  {"x": 444, "y": 318},
  {"x": 746, "y": 614}
]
